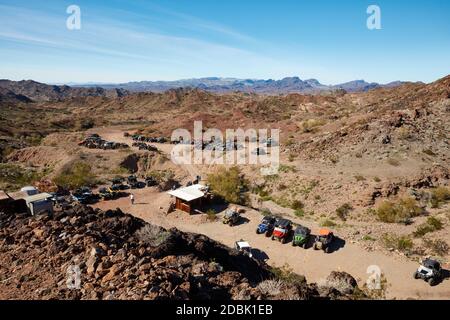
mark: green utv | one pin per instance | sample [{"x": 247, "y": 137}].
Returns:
[{"x": 301, "y": 237}]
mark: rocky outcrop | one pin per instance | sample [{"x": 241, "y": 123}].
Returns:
[{"x": 82, "y": 253}]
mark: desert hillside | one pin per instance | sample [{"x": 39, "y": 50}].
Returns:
[{"x": 372, "y": 166}]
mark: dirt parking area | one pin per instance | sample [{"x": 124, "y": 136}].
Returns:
[{"x": 151, "y": 206}]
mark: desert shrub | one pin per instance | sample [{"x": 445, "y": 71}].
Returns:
[
  {"x": 376, "y": 179},
  {"x": 437, "y": 246},
  {"x": 211, "y": 215},
  {"x": 297, "y": 205},
  {"x": 393, "y": 162},
  {"x": 327, "y": 223},
  {"x": 400, "y": 211},
  {"x": 429, "y": 152},
  {"x": 85, "y": 124},
  {"x": 286, "y": 274},
  {"x": 161, "y": 176},
  {"x": 270, "y": 287},
  {"x": 33, "y": 140},
  {"x": 229, "y": 184},
  {"x": 291, "y": 157},
  {"x": 75, "y": 176},
  {"x": 343, "y": 211},
  {"x": 14, "y": 176},
  {"x": 439, "y": 196},
  {"x": 265, "y": 212},
  {"x": 311, "y": 125},
  {"x": 287, "y": 168},
  {"x": 299, "y": 213},
  {"x": 400, "y": 243},
  {"x": 333, "y": 158},
  {"x": 152, "y": 235},
  {"x": 368, "y": 238},
  {"x": 404, "y": 133},
  {"x": 432, "y": 224},
  {"x": 359, "y": 178}
]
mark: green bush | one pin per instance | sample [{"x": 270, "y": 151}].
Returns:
[
  {"x": 400, "y": 243},
  {"x": 393, "y": 162},
  {"x": 299, "y": 213},
  {"x": 437, "y": 247},
  {"x": 343, "y": 211},
  {"x": 439, "y": 196},
  {"x": 211, "y": 215},
  {"x": 285, "y": 273},
  {"x": 400, "y": 211},
  {"x": 297, "y": 205},
  {"x": 77, "y": 175},
  {"x": 229, "y": 184},
  {"x": 328, "y": 223},
  {"x": 432, "y": 224},
  {"x": 14, "y": 176}
]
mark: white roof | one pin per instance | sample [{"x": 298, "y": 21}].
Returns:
[
  {"x": 243, "y": 244},
  {"x": 28, "y": 188},
  {"x": 38, "y": 197},
  {"x": 189, "y": 193}
]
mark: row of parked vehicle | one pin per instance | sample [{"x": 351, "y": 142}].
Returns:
[
  {"x": 144, "y": 146},
  {"x": 142, "y": 138},
  {"x": 116, "y": 190},
  {"x": 94, "y": 141},
  {"x": 430, "y": 270},
  {"x": 283, "y": 231}
]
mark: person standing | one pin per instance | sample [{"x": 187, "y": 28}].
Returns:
[{"x": 132, "y": 199}]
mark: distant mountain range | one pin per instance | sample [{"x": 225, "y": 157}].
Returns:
[
  {"x": 32, "y": 91},
  {"x": 220, "y": 85},
  {"x": 29, "y": 91}
]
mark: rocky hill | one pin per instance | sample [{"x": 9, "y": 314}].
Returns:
[
  {"x": 29, "y": 90},
  {"x": 119, "y": 256}
]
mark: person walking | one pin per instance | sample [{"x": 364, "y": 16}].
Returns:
[{"x": 132, "y": 199}]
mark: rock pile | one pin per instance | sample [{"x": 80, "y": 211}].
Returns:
[{"x": 82, "y": 253}]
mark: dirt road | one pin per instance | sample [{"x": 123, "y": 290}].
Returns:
[{"x": 315, "y": 265}]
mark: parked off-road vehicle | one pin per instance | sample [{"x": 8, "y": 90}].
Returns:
[
  {"x": 323, "y": 240},
  {"x": 301, "y": 236},
  {"x": 104, "y": 194},
  {"x": 282, "y": 230},
  {"x": 244, "y": 247},
  {"x": 119, "y": 183},
  {"x": 430, "y": 271},
  {"x": 266, "y": 226},
  {"x": 133, "y": 182},
  {"x": 83, "y": 195},
  {"x": 231, "y": 217},
  {"x": 115, "y": 190},
  {"x": 151, "y": 182}
]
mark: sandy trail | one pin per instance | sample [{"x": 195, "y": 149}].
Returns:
[{"x": 315, "y": 265}]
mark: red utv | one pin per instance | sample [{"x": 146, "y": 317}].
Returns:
[{"x": 282, "y": 230}]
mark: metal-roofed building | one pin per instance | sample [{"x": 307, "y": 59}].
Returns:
[{"x": 189, "y": 198}]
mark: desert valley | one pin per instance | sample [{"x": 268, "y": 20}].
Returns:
[{"x": 369, "y": 165}]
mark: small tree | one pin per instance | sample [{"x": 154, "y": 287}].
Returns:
[
  {"x": 229, "y": 184},
  {"x": 77, "y": 175}
]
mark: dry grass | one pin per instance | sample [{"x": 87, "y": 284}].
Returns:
[{"x": 152, "y": 235}]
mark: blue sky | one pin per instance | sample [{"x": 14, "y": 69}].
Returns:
[{"x": 135, "y": 40}]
